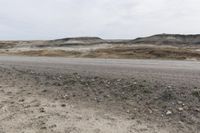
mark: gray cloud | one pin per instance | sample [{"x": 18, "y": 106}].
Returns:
[{"x": 48, "y": 19}]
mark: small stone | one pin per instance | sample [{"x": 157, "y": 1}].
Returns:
[
  {"x": 66, "y": 97},
  {"x": 12, "y": 102},
  {"x": 43, "y": 128},
  {"x": 42, "y": 110},
  {"x": 27, "y": 106},
  {"x": 180, "y": 109},
  {"x": 169, "y": 86},
  {"x": 107, "y": 85},
  {"x": 168, "y": 112},
  {"x": 97, "y": 100},
  {"x": 118, "y": 80},
  {"x": 21, "y": 100},
  {"x": 63, "y": 105},
  {"x": 44, "y": 90},
  {"x": 53, "y": 126},
  {"x": 134, "y": 83},
  {"x": 150, "y": 111},
  {"x": 132, "y": 117},
  {"x": 180, "y": 102},
  {"x": 197, "y": 109},
  {"x": 107, "y": 96}
]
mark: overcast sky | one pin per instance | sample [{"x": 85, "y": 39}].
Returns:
[{"x": 49, "y": 19}]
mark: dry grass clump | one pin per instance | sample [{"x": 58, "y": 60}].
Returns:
[
  {"x": 145, "y": 53},
  {"x": 128, "y": 52},
  {"x": 48, "y": 53}
]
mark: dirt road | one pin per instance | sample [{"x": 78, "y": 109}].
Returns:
[{"x": 66, "y": 95}]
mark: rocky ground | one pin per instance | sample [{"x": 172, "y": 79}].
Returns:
[{"x": 33, "y": 101}]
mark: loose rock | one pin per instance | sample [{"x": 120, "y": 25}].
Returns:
[{"x": 169, "y": 112}]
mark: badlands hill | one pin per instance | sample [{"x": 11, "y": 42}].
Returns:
[
  {"x": 161, "y": 46},
  {"x": 170, "y": 39},
  {"x": 160, "y": 39}
]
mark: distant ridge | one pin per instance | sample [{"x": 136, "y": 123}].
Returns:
[
  {"x": 82, "y": 39},
  {"x": 159, "y": 39},
  {"x": 169, "y": 39}
]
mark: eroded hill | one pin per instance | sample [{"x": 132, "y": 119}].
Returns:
[{"x": 170, "y": 39}]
